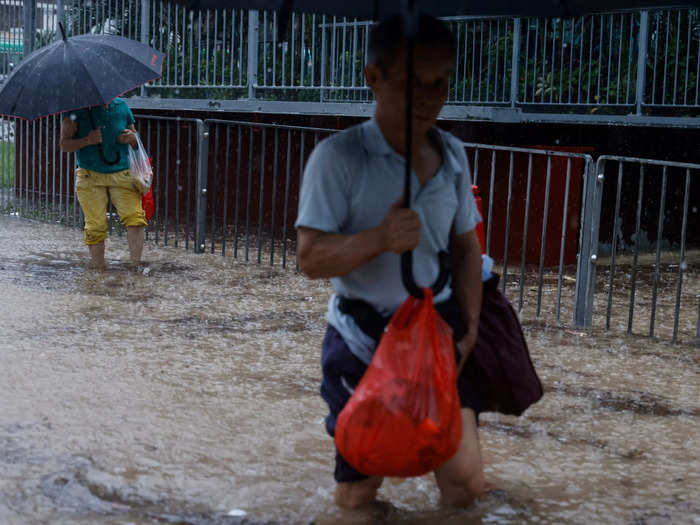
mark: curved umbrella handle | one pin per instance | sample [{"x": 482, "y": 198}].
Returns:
[{"x": 407, "y": 257}]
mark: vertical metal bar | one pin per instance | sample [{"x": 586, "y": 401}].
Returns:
[
  {"x": 629, "y": 59},
  {"x": 681, "y": 264},
  {"x": 491, "y": 189},
  {"x": 659, "y": 233},
  {"x": 253, "y": 30},
  {"x": 215, "y": 187},
  {"x": 158, "y": 177},
  {"x": 515, "y": 64},
  {"x": 240, "y": 48},
  {"x": 465, "y": 73},
  {"x": 343, "y": 79},
  {"x": 610, "y": 59},
  {"x": 249, "y": 190},
  {"x": 668, "y": 24},
  {"x": 544, "y": 56},
  {"x": 286, "y": 198},
  {"x": 323, "y": 56},
  {"x": 168, "y": 43},
  {"x": 34, "y": 167},
  {"x": 697, "y": 76},
  {"x": 214, "y": 43},
  {"x": 301, "y": 172},
  {"x": 178, "y": 181},
  {"x": 526, "y": 223},
  {"x": 354, "y": 53},
  {"x": 292, "y": 50},
  {"x": 239, "y": 152},
  {"x": 481, "y": 58},
  {"x": 207, "y": 57},
  {"x": 588, "y": 241},
  {"x": 619, "y": 57},
  {"x": 511, "y": 163},
  {"x": 199, "y": 48},
  {"x": 273, "y": 215},
  {"x": 642, "y": 61},
  {"x": 312, "y": 51},
  {"x": 261, "y": 195},
  {"x": 635, "y": 259},
  {"x": 611, "y": 281},
  {"x": 190, "y": 135},
  {"x": 553, "y": 59},
  {"x": 473, "y": 55},
  {"x": 283, "y": 60},
  {"x": 580, "y": 60},
  {"x": 544, "y": 235},
  {"x": 227, "y": 171},
  {"x": 571, "y": 57},
  {"x": 656, "y": 49},
  {"x": 476, "y": 166},
  {"x": 488, "y": 63},
  {"x": 202, "y": 175},
  {"x": 264, "y": 48},
  {"x": 534, "y": 60},
  {"x": 564, "y": 222},
  {"x": 191, "y": 44},
  {"x": 590, "y": 61},
  {"x": 232, "y": 51},
  {"x": 29, "y": 10},
  {"x": 166, "y": 214},
  {"x": 183, "y": 47},
  {"x": 274, "y": 49},
  {"x": 678, "y": 45},
  {"x": 600, "y": 56},
  {"x": 687, "y": 62}
]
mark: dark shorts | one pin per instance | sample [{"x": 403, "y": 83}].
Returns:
[{"x": 342, "y": 371}]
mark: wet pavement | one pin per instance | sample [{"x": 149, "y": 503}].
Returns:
[{"x": 186, "y": 392}]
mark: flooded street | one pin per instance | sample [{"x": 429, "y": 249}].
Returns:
[{"x": 187, "y": 392}]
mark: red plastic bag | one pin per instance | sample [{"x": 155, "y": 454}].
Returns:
[
  {"x": 147, "y": 202},
  {"x": 149, "y": 206},
  {"x": 404, "y": 417}
]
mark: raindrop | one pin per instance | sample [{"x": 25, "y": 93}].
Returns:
[{"x": 237, "y": 513}]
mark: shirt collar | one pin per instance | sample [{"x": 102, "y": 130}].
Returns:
[
  {"x": 376, "y": 144},
  {"x": 374, "y": 140}
]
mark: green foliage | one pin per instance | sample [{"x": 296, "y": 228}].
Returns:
[{"x": 7, "y": 164}]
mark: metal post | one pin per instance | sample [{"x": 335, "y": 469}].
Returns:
[
  {"x": 515, "y": 64},
  {"x": 145, "y": 24},
  {"x": 253, "y": 39},
  {"x": 202, "y": 174},
  {"x": 59, "y": 12},
  {"x": 588, "y": 243},
  {"x": 642, "y": 59},
  {"x": 29, "y": 26}
]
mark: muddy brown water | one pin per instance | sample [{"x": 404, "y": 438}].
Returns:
[{"x": 189, "y": 395}]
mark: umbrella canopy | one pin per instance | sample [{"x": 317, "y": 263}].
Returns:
[
  {"x": 78, "y": 72},
  {"x": 380, "y": 9}
]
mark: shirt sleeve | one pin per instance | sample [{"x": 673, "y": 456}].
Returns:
[
  {"x": 468, "y": 215},
  {"x": 324, "y": 201}
]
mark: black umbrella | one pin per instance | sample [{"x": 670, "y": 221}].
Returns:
[
  {"x": 381, "y": 9},
  {"x": 78, "y": 72}
]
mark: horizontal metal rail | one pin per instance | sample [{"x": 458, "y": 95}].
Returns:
[{"x": 642, "y": 62}]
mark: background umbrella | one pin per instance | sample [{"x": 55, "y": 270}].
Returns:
[
  {"x": 381, "y": 9},
  {"x": 77, "y": 72}
]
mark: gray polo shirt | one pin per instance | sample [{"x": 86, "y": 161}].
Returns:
[{"x": 350, "y": 181}]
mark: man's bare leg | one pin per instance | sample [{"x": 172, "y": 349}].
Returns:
[
  {"x": 97, "y": 255},
  {"x": 135, "y": 235},
  {"x": 354, "y": 494},
  {"x": 461, "y": 479}
]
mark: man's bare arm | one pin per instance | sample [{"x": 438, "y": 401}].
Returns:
[
  {"x": 323, "y": 255},
  {"x": 68, "y": 144},
  {"x": 468, "y": 285}
]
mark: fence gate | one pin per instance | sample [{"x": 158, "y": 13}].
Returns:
[{"x": 637, "y": 273}]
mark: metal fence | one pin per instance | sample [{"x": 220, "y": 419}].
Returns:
[
  {"x": 575, "y": 241},
  {"x": 637, "y": 272},
  {"x": 645, "y": 62}
]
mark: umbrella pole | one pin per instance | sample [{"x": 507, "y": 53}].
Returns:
[{"x": 407, "y": 257}]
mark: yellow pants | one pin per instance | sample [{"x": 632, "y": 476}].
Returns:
[{"x": 94, "y": 190}]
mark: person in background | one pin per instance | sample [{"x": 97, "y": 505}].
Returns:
[{"x": 100, "y": 137}]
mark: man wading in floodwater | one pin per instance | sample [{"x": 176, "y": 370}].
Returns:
[
  {"x": 100, "y": 136},
  {"x": 352, "y": 229}
]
